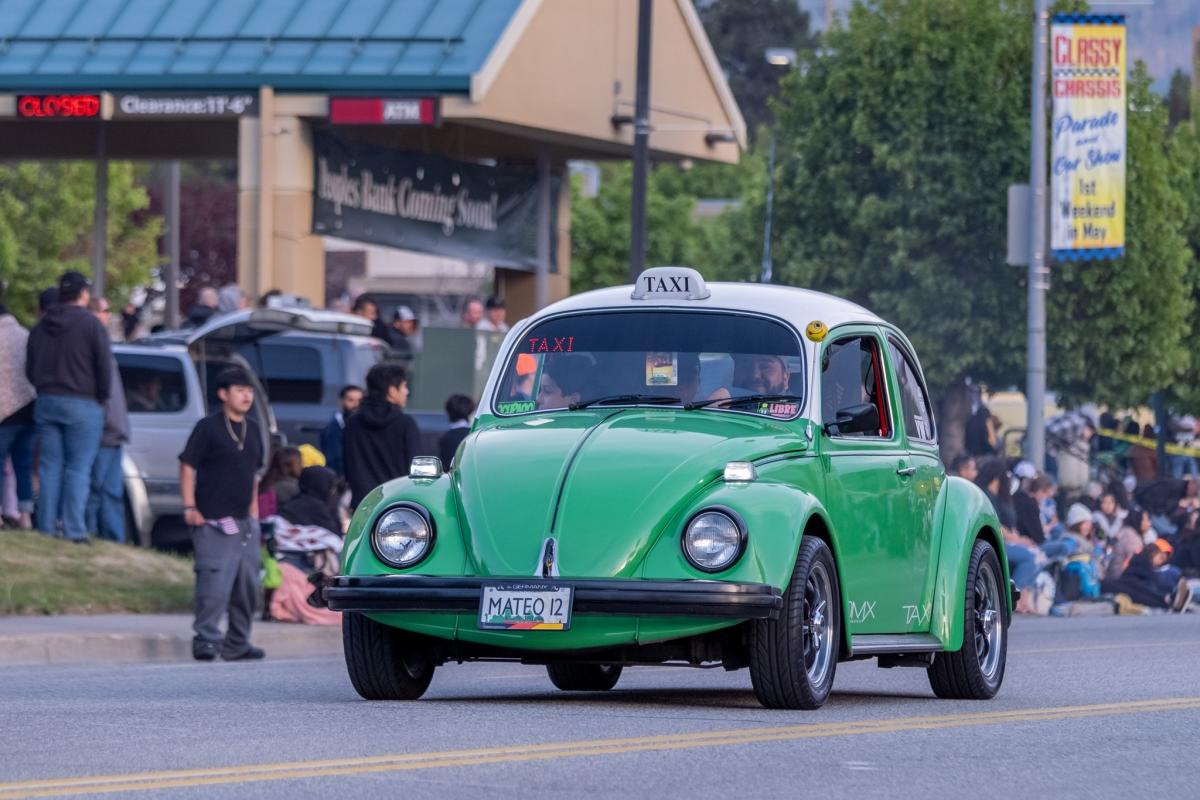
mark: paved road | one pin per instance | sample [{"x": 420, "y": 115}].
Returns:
[{"x": 1095, "y": 708}]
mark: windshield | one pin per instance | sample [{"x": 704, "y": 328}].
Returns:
[{"x": 724, "y": 362}]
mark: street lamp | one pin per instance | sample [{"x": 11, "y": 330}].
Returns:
[{"x": 778, "y": 57}]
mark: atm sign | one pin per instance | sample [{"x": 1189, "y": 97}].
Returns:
[
  {"x": 383, "y": 111},
  {"x": 58, "y": 106}
]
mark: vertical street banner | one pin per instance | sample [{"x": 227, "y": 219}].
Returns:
[{"x": 1087, "y": 134}]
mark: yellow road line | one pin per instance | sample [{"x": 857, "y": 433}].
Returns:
[
  {"x": 1088, "y": 647},
  {"x": 296, "y": 770}
]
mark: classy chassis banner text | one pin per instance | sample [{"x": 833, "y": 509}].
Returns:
[{"x": 1087, "y": 134}]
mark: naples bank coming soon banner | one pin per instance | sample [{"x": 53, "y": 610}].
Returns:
[{"x": 1087, "y": 132}]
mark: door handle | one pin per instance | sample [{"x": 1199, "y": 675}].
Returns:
[{"x": 906, "y": 471}]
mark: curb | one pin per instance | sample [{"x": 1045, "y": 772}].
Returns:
[{"x": 280, "y": 640}]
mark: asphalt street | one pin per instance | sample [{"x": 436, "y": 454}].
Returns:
[{"x": 1090, "y": 708}]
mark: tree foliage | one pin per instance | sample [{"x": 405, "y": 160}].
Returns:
[
  {"x": 1179, "y": 98},
  {"x": 46, "y": 213},
  {"x": 600, "y": 227},
  {"x": 741, "y": 31},
  {"x": 1117, "y": 328},
  {"x": 896, "y": 151},
  {"x": 208, "y": 211}
]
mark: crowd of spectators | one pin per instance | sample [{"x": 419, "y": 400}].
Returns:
[{"x": 1098, "y": 532}]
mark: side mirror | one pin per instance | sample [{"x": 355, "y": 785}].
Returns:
[{"x": 854, "y": 419}]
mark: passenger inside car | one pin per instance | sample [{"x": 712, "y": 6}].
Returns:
[{"x": 565, "y": 380}]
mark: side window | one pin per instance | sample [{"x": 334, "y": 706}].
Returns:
[
  {"x": 918, "y": 413},
  {"x": 291, "y": 373},
  {"x": 852, "y": 374},
  {"x": 152, "y": 384}
]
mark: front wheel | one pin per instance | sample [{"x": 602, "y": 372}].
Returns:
[
  {"x": 385, "y": 663},
  {"x": 793, "y": 657},
  {"x": 584, "y": 677},
  {"x": 976, "y": 671}
]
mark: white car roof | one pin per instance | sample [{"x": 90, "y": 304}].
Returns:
[{"x": 797, "y": 306}]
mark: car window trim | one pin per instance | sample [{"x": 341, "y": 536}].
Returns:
[
  {"x": 907, "y": 355},
  {"x": 887, "y": 391},
  {"x": 800, "y": 341}
]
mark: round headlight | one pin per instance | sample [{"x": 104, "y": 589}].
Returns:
[
  {"x": 402, "y": 536},
  {"x": 713, "y": 540}
]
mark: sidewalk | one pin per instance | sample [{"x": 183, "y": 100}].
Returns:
[{"x": 143, "y": 638}]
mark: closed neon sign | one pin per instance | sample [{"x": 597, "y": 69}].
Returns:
[{"x": 58, "y": 106}]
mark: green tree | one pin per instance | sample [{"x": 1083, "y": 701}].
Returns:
[
  {"x": 1179, "y": 98},
  {"x": 1118, "y": 328},
  {"x": 600, "y": 227},
  {"x": 1184, "y": 158},
  {"x": 46, "y": 228},
  {"x": 740, "y": 32},
  {"x": 896, "y": 149}
]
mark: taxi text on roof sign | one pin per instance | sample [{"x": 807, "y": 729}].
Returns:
[{"x": 679, "y": 283}]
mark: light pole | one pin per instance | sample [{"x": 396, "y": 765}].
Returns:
[
  {"x": 779, "y": 57},
  {"x": 641, "y": 144},
  {"x": 1035, "y": 380}
]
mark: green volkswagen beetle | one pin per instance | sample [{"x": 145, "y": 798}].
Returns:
[{"x": 680, "y": 472}]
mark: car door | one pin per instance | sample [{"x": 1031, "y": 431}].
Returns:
[
  {"x": 868, "y": 493},
  {"x": 920, "y": 440}
]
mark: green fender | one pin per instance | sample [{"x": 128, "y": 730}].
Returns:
[
  {"x": 966, "y": 515},
  {"x": 776, "y": 516},
  {"x": 448, "y": 556}
]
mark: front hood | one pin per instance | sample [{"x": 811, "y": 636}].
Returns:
[{"x": 601, "y": 482}]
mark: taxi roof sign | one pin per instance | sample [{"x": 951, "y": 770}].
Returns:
[{"x": 680, "y": 283}]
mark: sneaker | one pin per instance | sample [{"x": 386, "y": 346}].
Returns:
[
  {"x": 84, "y": 541},
  {"x": 251, "y": 654},
  {"x": 205, "y": 651},
  {"x": 1183, "y": 597}
]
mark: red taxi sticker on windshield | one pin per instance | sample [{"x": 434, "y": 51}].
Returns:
[{"x": 551, "y": 344}]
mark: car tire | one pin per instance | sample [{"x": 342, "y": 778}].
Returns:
[
  {"x": 385, "y": 663},
  {"x": 976, "y": 670},
  {"x": 793, "y": 657},
  {"x": 584, "y": 677}
]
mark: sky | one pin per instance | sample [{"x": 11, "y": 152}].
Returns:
[{"x": 1160, "y": 31}]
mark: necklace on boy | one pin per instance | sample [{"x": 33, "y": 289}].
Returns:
[{"x": 240, "y": 442}]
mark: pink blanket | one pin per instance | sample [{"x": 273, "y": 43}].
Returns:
[{"x": 289, "y": 602}]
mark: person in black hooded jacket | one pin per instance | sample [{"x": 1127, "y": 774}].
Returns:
[
  {"x": 69, "y": 362},
  {"x": 314, "y": 505},
  {"x": 380, "y": 439}
]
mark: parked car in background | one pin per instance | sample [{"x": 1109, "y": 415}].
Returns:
[{"x": 169, "y": 386}]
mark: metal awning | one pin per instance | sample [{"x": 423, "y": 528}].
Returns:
[{"x": 297, "y": 45}]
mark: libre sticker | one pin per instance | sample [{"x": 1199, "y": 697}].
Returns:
[{"x": 662, "y": 369}]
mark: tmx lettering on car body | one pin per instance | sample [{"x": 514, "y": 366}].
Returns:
[{"x": 693, "y": 473}]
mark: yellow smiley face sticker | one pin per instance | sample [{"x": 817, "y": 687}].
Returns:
[{"x": 816, "y": 330}]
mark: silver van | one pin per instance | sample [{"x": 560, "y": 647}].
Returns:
[{"x": 169, "y": 386}]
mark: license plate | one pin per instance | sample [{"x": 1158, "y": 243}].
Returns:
[{"x": 525, "y": 607}]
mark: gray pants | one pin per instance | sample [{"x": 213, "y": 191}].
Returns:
[{"x": 227, "y": 570}]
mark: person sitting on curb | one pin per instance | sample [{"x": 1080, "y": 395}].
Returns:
[{"x": 1142, "y": 583}]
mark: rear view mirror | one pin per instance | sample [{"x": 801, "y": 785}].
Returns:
[{"x": 862, "y": 418}]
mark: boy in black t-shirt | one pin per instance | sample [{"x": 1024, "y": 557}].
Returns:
[{"x": 218, "y": 478}]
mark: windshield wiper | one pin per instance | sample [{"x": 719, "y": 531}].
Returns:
[
  {"x": 745, "y": 400},
  {"x": 656, "y": 399}
]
